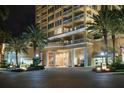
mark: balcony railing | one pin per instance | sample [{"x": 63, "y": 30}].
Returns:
[
  {"x": 67, "y": 21},
  {"x": 78, "y": 16},
  {"x": 79, "y": 27},
  {"x": 44, "y": 15},
  {"x": 54, "y": 44},
  {"x": 77, "y": 7},
  {"x": 68, "y": 33},
  {"x": 76, "y": 41},
  {"x": 67, "y": 11},
  {"x": 66, "y": 43}
]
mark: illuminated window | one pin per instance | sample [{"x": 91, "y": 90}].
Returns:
[{"x": 58, "y": 31}]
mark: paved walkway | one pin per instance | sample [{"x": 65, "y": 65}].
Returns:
[{"x": 61, "y": 78}]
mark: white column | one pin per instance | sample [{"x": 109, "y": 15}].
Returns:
[
  {"x": 47, "y": 58},
  {"x": 72, "y": 57},
  {"x": 85, "y": 56},
  {"x": 54, "y": 54}
]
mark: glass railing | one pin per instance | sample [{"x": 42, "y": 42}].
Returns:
[
  {"x": 50, "y": 34},
  {"x": 70, "y": 30},
  {"x": 44, "y": 15},
  {"x": 76, "y": 41},
  {"x": 79, "y": 27},
  {"x": 55, "y": 44},
  {"x": 68, "y": 11},
  {"x": 67, "y": 21},
  {"x": 77, "y": 7},
  {"x": 44, "y": 7},
  {"x": 82, "y": 40},
  {"x": 78, "y": 16}
]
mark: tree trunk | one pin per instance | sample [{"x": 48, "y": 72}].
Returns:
[
  {"x": 106, "y": 45},
  {"x": 113, "y": 41},
  {"x": 34, "y": 46},
  {"x": 17, "y": 59}
]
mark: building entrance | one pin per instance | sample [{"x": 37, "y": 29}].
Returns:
[{"x": 62, "y": 59}]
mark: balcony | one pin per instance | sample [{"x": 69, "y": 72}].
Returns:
[
  {"x": 79, "y": 27},
  {"x": 82, "y": 40},
  {"x": 54, "y": 45},
  {"x": 44, "y": 15},
  {"x": 67, "y": 21},
  {"x": 78, "y": 16},
  {"x": 68, "y": 44},
  {"x": 77, "y": 7},
  {"x": 67, "y": 12},
  {"x": 79, "y": 30}
]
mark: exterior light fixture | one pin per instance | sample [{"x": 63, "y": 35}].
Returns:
[
  {"x": 37, "y": 55},
  {"x": 98, "y": 69},
  {"x": 102, "y": 53}
]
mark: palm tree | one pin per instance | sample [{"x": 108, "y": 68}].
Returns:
[
  {"x": 115, "y": 27},
  {"x": 101, "y": 25},
  {"x": 36, "y": 38},
  {"x": 17, "y": 45},
  {"x": 3, "y": 34},
  {"x": 4, "y": 12},
  {"x": 111, "y": 7},
  {"x": 107, "y": 21}
]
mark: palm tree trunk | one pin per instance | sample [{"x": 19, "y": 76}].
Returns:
[
  {"x": 113, "y": 41},
  {"x": 17, "y": 59},
  {"x": 106, "y": 45},
  {"x": 34, "y": 46}
]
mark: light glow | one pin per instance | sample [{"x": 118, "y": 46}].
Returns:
[
  {"x": 98, "y": 68},
  {"x": 102, "y": 53}
]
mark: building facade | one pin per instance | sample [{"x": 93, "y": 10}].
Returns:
[{"x": 66, "y": 25}]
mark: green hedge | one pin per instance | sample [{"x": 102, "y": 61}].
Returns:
[
  {"x": 3, "y": 64},
  {"x": 117, "y": 64}
]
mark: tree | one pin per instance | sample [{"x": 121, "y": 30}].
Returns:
[
  {"x": 36, "y": 38},
  {"x": 101, "y": 25},
  {"x": 17, "y": 45},
  {"x": 4, "y": 12},
  {"x": 115, "y": 27},
  {"x": 4, "y": 35},
  {"x": 108, "y": 21}
]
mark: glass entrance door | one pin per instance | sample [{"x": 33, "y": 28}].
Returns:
[{"x": 62, "y": 59}]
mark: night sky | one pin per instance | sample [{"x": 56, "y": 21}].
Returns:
[{"x": 19, "y": 18}]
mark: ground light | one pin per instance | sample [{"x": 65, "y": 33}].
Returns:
[{"x": 103, "y": 65}]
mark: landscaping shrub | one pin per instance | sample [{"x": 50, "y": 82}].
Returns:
[
  {"x": 4, "y": 64},
  {"x": 37, "y": 60},
  {"x": 35, "y": 68},
  {"x": 117, "y": 64}
]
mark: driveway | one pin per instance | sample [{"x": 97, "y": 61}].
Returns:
[{"x": 61, "y": 78}]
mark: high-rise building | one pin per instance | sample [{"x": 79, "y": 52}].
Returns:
[{"x": 66, "y": 25}]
